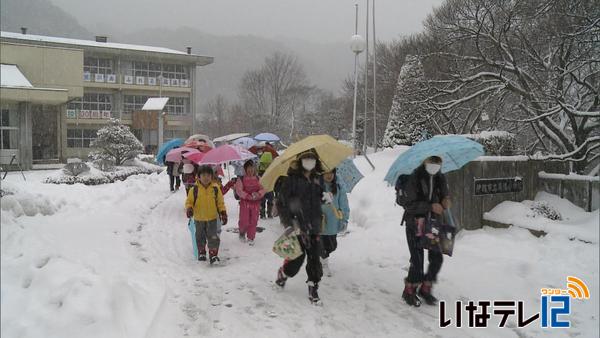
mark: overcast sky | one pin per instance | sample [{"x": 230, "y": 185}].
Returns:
[{"x": 314, "y": 20}]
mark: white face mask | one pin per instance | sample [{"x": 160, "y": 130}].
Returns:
[
  {"x": 432, "y": 168},
  {"x": 309, "y": 163}
]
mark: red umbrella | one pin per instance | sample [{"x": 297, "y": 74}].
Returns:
[{"x": 194, "y": 157}]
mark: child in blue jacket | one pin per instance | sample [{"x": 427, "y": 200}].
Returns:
[{"x": 335, "y": 216}]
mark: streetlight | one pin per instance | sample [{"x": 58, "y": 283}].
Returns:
[{"x": 357, "y": 45}]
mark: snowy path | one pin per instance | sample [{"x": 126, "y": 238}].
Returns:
[{"x": 116, "y": 261}]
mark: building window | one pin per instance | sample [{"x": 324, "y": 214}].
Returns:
[
  {"x": 80, "y": 138},
  {"x": 171, "y": 134},
  {"x": 97, "y": 65},
  {"x": 91, "y": 102},
  {"x": 9, "y": 128},
  {"x": 154, "y": 70},
  {"x": 133, "y": 103},
  {"x": 175, "y": 105}
]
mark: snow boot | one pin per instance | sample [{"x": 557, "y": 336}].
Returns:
[
  {"x": 281, "y": 277},
  {"x": 313, "y": 295},
  {"x": 251, "y": 242},
  {"x": 202, "y": 256},
  {"x": 425, "y": 293},
  {"x": 242, "y": 237},
  {"x": 214, "y": 259},
  {"x": 410, "y": 295},
  {"x": 325, "y": 264}
]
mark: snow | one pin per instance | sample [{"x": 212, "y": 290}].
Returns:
[
  {"x": 515, "y": 158},
  {"x": 576, "y": 223},
  {"x": 89, "y": 43},
  {"x": 155, "y": 103},
  {"x": 11, "y": 76},
  {"x": 489, "y": 134},
  {"x": 115, "y": 260},
  {"x": 570, "y": 177}
]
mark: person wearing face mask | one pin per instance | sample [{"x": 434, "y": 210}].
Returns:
[
  {"x": 427, "y": 196},
  {"x": 299, "y": 204}
]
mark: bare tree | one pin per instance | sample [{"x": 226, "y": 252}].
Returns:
[
  {"x": 217, "y": 110},
  {"x": 536, "y": 61}
]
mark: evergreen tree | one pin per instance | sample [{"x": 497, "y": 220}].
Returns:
[{"x": 116, "y": 142}]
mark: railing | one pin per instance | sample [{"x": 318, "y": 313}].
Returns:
[
  {"x": 579, "y": 189},
  {"x": 136, "y": 80}
]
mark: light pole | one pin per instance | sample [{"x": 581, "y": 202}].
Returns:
[
  {"x": 366, "y": 82},
  {"x": 357, "y": 45}
]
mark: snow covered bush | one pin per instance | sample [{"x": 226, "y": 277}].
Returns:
[
  {"x": 104, "y": 164},
  {"x": 96, "y": 177},
  {"x": 542, "y": 208},
  {"x": 115, "y": 142},
  {"x": 496, "y": 142},
  {"x": 407, "y": 121},
  {"x": 76, "y": 168}
]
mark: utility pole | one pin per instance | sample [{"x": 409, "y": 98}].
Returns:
[
  {"x": 374, "y": 82},
  {"x": 366, "y": 82}
]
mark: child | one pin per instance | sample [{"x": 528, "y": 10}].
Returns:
[
  {"x": 205, "y": 203},
  {"x": 189, "y": 176},
  {"x": 251, "y": 192},
  {"x": 335, "y": 212}
]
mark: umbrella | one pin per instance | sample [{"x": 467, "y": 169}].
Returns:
[
  {"x": 455, "y": 151},
  {"x": 348, "y": 175},
  {"x": 245, "y": 142},
  {"x": 194, "y": 157},
  {"x": 200, "y": 145},
  {"x": 200, "y": 137},
  {"x": 331, "y": 153},
  {"x": 166, "y": 147},
  {"x": 268, "y": 137},
  {"x": 226, "y": 153},
  {"x": 269, "y": 148},
  {"x": 174, "y": 155},
  {"x": 230, "y": 137}
]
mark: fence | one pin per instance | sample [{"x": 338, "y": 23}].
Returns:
[
  {"x": 582, "y": 191},
  {"x": 486, "y": 182}
]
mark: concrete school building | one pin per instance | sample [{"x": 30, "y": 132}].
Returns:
[{"x": 55, "y": 93}]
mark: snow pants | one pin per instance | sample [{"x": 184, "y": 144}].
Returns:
[
  {"x": 311, "y": 251},
  {"x": 416, "y": 273},
  {"x": 207, "y": 232},
  {"x": 248, "y": 218},
  {"x": 329, "y": 245}
]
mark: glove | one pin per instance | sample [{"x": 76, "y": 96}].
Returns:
[
  {"x": 223, "y": 217},
  {"x": 327, "y": 197},
  {"x": 189, "y": 212}
]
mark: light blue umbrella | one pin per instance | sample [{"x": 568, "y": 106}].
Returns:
[
  {"x": 245, "y": 142},
  {"x": 455, "y": 151},
  {"x": 348, "y": 175},
  {"x": 166, "y": 147},
  {"x": 267, "y": 137}
]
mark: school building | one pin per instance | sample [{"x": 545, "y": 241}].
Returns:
[{"x": 55, "y": 93}]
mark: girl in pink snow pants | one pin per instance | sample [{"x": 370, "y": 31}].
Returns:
[{"x": 251, "y": 192}]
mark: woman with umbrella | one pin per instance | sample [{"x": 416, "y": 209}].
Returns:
[{"x": 299, "y": 205}]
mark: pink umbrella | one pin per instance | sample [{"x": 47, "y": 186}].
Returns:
[
  {"x": 194, "y": 157},
  {"x": 226, "y": 153},
  {"x": 174, "y": 155}
]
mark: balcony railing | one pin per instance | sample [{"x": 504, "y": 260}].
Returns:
[{"x": 135, "y": 80}]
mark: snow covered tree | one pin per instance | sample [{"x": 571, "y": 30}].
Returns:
[
  {"x": 407, "y": 121},
  {"x": 116, "y": 142}
]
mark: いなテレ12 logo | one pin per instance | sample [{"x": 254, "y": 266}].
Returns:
[{"x": 556, "y": 303}]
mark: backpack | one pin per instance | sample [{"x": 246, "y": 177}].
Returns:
[
  {"x": 400, "y": 187},
  {"x": 235, "y": 195}
]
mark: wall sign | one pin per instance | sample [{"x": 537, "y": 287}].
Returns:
[{"x": 490, "y": 186}]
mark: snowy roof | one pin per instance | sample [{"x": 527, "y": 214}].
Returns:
[
  {"x": 11, "y": 76},
  {"x": 155, "y": 103},
  {"x": 91, "y": 43}
]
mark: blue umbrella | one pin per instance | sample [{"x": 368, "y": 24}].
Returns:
[
  {"x": 267, "y": 137},
  {"x": 166, "y": 147},
  {"x": 348, "y": 175},
  {"x": 245, "y": 142},
  {"x": 455, "y": 151}
]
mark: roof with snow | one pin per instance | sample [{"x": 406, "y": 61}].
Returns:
[
  {"x": 155, "y": 103},
  {"x": 41, "y": 39},
  {"x": 11, "y": 76}
]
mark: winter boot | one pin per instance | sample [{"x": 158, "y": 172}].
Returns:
[
  {"x": 281, "y": 277},
  {"x": 425, "y": 293},
  {"x": 313, "y": 295},
  {"x": 251, "y": 242},
  {"x": 410, "y": 295},
  {"x": 202, "y": 256},
  {"x": 242, "y": 237},
  {"x": 214, "y": 258},
  {"x": 325, "y": 264}
]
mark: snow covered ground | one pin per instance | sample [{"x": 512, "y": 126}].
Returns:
[{"x": 115, "y": 260}]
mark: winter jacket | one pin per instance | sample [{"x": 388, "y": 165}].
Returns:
[
  {"x": 417, "y": 191},
  {"x": 264, "y": 162},
  {"x": 177, "y": 169},
  {"x": 209, "y": 202},
  {"x": 169, "y": 168},
  {"x": 246, "y": 186},
  {"x": 333, "y": 224},
  {"x": 299, "y": 198}
]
